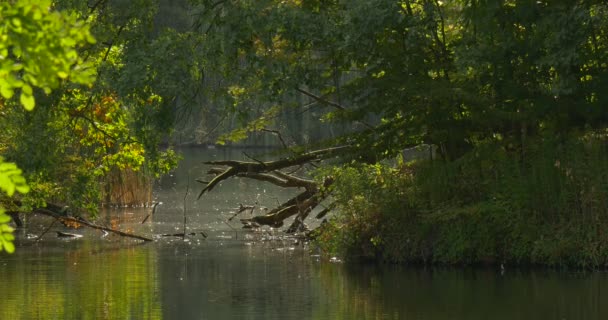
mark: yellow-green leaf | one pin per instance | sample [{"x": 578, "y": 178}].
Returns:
[{"x": 27, "y": 101}]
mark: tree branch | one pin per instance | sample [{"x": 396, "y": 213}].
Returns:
[
  {"x": 242, "y": 167},
  {"x": 89, "y": 224},
  {"x": 330, "y": 103}
]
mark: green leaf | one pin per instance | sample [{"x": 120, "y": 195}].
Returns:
[
  {"x": 27, "y": 89},
  {"x": 4, "y": 218},
  {"x": 27, "y": 101},
  {"x": 5, "y": 228},
  {"x": 8, "y": 246},
  {"x": 5, "y": 90}
]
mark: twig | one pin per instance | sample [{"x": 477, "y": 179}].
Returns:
[
  {"x": 321, "y": 99},
  {"x": 153, "y": 210},
  {"x": 46, "y": 230},
  {"x": 330, "y": 103},
  {"x": 185, "y": 197},
  {"x": 278, "y": 134},
  {"x": 241, "y": 209},
  {"x": 254, "y": 159},
  {"x": 236, "y": 233},
  {"x": 214, "y": 128}
]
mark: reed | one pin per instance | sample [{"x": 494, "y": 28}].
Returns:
[{"x": 127, "y": 188}]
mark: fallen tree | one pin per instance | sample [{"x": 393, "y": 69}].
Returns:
[
  {"x": 59, "y": 213},
  {"x": 278, "y": 173}
]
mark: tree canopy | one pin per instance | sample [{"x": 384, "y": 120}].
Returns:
[{"x": 451, "y": 74}]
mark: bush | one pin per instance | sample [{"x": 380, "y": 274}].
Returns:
[{"x": 545, "y": 204}]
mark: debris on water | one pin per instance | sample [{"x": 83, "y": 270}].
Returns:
[
  {"x": 250, "y": 225},
  {"x": 285, "y": 249},
  {"x": 62, "y": 234},
  {"x": 177, "y": 234},
  {"x": 335, "y": 260}
]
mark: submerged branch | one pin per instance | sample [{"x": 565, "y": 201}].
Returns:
[{"x": 89, "y": 224}]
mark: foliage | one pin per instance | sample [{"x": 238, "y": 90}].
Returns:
[
  {"x": 550, "y": 208},
  {"x": 97, "y": 113},
  {"x": 80, "y": 137},
  {"x": 11, "y": 180},
  {"x": 400, "y": 73},
  {"x": 366, "y": 197},
  {"x": 38, "y": 49},
  {"x": 501, "y": 90}
]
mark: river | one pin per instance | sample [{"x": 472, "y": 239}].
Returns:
[{"x": 243, "y": 274}]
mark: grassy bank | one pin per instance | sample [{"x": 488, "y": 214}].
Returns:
[{"x": 544, "y": 204}]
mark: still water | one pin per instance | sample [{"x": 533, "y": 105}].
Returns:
[{"x": 240, "y": 274}]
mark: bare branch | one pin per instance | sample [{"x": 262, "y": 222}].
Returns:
[
  {"x": 89, "y": 224},
  {"x": 296, "y": 180},
  {"x": 225, "y": 175},
  {"x": 242, "y": 167},
  {"x": 254, "y": 159},
  {"x": 278, "y": 134},
  {"x": 321, "y": 99},
  {"x": 330, "y": 103}
]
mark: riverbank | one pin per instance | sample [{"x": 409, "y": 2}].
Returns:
[{"x": 544, "y": 204}]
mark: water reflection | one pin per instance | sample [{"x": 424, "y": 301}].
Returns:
[
  {"x": 80, "y": 281},
  {"x": 400, "y": 293},
  {"x": 233, "y": 274}
]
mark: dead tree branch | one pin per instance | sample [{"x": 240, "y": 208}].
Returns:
[
  {"x": 270, "y": 171},
  {"x": 240, "y": 167},
  {"x": 89, "y": 224}
]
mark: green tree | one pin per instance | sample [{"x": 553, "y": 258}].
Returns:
[
  {"x": 478, "y": 81},
  {"x": 38, "y": 49},
  {"x": 85, "y": 139}
]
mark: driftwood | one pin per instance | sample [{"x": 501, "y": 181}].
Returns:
[
  {"x": 61, "y": 214},
  {"x": 81, "y": 221},
  {"x": 274, "y": 172}
]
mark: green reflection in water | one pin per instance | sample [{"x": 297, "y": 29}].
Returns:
[
  {"x": 229, "y": 280},
  {"x": 84, "y": 281},
  {"x": 364, "y": 292}
]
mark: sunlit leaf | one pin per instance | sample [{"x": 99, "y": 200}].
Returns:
[{"x": 27, "y": 101}]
